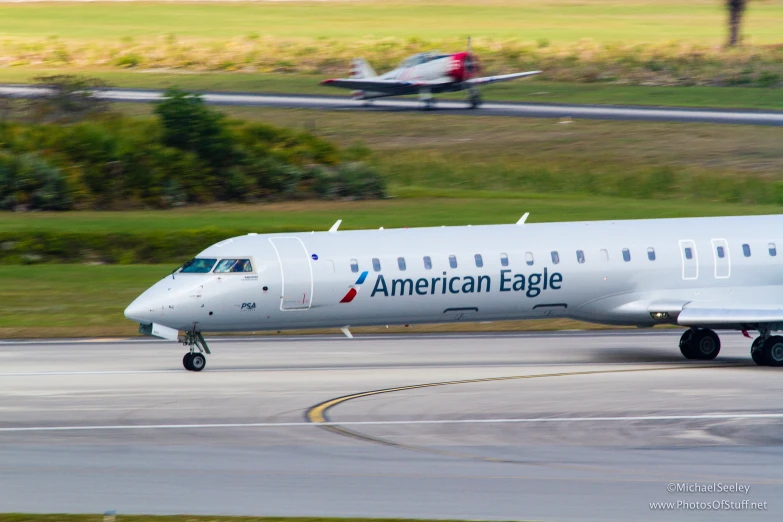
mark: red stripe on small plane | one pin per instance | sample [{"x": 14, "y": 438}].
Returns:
[{"x": 349, "y": 296}]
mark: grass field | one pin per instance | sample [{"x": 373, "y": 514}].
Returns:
[
  {"x": 554, "y": 20},
  {"x": 636, "y": 41},
  {"x": 34, "y": 517},
  {"x": 529, "y": 90},
  {"x": 414, "y": 212},
  {"x": 640, "y": 160}
]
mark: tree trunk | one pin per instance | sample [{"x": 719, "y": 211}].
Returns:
[{"x": 736, "y": 8}]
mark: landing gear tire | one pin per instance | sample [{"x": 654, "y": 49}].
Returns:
[
  {"x": 194, "y": 360},
  {"x": 757, "y": 351},
  {"x": 475, "y": 102},
  {"x": 773, "y": 351},
  {"x": 197, "y": 362},
  {"x": 703, "y": 345},
  {"x": 686, "y": 345}
]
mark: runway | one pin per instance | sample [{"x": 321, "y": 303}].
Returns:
[
  {"x": 523, "y": 110},
  {"x": 544, "y": 426}
]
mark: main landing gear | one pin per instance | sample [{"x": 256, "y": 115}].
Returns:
[
  {"x": 701, "y": 344},
  {"x": 704, "y": 344},
  {"x": 767, "y": 350},
  {"x": 194, "y": 360},
  {"x": 474, "y": 99}
]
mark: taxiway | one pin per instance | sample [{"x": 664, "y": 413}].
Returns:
[
  {"x": 525, "y": 110},
  {"x": 550, "y": 426}
]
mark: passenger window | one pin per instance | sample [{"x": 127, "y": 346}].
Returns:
[
  {"x": 604, "y": 255},
  {"x": 376, "y": 264},
  {"x": 198, "y": 266},
  {"x": 773, "y": 251},
  {"x": 427, "y": 263},
  {"x": 746, "y": 250},
  {"x": 479, "y": 260},
  {"x": 626, "y": 255},
  {"x": 503, "y": 260},
  {"x": 688, "y": 253},
  {"x": 401, "y": 263},
  {"x": 721, "y": 252},
  {"x": 651, "y": 254},
  {"x": 233, "y": 265},
  {"x": 580, "y": 256},
  {"x": 529, "y": 258},
  {"x": 555, "y": 257},
  {"x": 354, "y": 265},
  {"x": 453, "y": 261}
]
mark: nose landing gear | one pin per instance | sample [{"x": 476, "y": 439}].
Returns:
[{"x": 194, "y": 360}]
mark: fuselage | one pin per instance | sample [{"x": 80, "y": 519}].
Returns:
[
  {"x": 450, "y": 71},
  {"x": 613, "y": 272},
  {"x": 456, "y": 67}
]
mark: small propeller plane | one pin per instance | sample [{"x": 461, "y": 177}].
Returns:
[{"x": 424, "y": 74}]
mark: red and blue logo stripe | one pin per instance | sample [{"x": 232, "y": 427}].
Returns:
[{"x": 354, "y": 289}]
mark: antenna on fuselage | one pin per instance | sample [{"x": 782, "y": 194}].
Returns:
[
  {"x": 523, "y": 219},
  {"x": 336, "y": 226}
]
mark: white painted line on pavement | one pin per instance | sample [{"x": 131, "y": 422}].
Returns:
[{"x": 651, "y": 418}]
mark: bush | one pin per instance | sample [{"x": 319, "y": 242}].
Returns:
[
  {"x": 29, "y": 182},
  {"x": 68, "y": 97},
  {"x": 189, "y": 125},
  {"x": 189, "y": 154}
]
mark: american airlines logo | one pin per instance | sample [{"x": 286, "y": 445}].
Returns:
[
  {"x": 530, "y": 285},
  {"x": 354, "y": 289}
]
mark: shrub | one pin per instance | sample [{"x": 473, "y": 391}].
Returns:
[
  {"x": 30, "y": 182},
  {"x": 190, "y": 153},
  {"x": 128, "y": 60},
  {"x": 68, "y": 97}
]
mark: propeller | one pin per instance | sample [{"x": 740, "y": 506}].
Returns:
[
  {"x": 471, "y": 63},
  {"x": 472, "y": 68}
]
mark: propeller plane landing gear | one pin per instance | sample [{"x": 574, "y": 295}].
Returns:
[
  {"x": 194, "y": 360},
  {"x": 474, "y": 99},
  {"x": 425, "y": 95},
  {"x": 701, "y": 344}
]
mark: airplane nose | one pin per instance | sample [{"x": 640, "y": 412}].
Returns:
[{"x": 140, "y": 310}]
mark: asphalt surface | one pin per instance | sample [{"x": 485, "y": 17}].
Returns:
[
  {"x": 559, "y": 426},
  {"x": 527, "y": 110}
]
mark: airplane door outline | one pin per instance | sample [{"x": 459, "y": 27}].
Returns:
[
  {"x": 722, "y": 264},
  {"x": 296, "y": 268},
  {"x": 690, "y": 267}
]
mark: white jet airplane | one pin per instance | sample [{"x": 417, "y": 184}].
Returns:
[
  {"x": 701, "y": 273},
  {"x": 424, "y": 74}
]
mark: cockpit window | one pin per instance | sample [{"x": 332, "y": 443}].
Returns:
[
  {"x": 198, "y": 266},
  {"x": 418, "y": 59},
  {"x": 233, "y": 265}
]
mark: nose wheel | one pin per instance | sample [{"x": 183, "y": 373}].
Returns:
[{"x": 194, "y": 360}]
